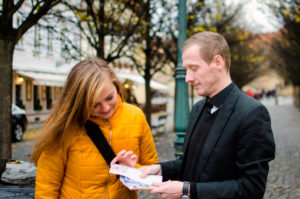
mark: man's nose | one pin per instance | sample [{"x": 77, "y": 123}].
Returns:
[{"x": 188, "y": 77}]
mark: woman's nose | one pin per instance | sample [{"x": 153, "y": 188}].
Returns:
[{"x": 105, "y": 107}]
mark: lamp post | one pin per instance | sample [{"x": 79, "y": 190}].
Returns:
[{"x": 181, "y": 101}]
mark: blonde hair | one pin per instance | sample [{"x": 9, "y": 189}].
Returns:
[
  {"x": 211, "y": 44},
  {"x": 83, "y": 85}
]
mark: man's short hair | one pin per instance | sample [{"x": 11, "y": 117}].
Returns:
[{"x": 211, "y": 44}]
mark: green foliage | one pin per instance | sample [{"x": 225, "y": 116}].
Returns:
[{"x": 247, "y": 56}]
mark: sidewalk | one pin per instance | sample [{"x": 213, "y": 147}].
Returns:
[
  {"x": 19, "y": 192},
  {"x": 284, "y": 176}
]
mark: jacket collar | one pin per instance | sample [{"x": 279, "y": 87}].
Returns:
[{"x": 219, "y": 98}]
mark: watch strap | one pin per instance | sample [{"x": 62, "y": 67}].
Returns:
[{"x": 185, "y": 189}]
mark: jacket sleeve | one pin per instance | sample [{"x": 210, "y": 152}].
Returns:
[
  {"x": 50, "y": 173},
  {"x": 255, "y": 148},
  {"x": 147, "y": 149},
  {"x": 170, "y": 169}
]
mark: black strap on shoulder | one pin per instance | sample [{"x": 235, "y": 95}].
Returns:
[{"x": 96, "y": 135}]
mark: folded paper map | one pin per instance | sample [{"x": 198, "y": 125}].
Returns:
[{"x": 130, "y": 177}]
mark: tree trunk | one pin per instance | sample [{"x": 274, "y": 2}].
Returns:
[
  {"x": 6, "y": 57},
  {"x": 147, "y": 70},
  {"x": 101, "y": 34}
]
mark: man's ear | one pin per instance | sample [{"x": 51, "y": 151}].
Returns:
[{"x": 219, "y": 62}]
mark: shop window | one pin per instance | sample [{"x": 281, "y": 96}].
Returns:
[
  {"x": 36, "y": 100},
  {"x": 19, "y": 101},
  {"x": 48, "y": 97}
]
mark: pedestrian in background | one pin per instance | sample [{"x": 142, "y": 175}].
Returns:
[
  {"x": 229, "y": 139},
  {"x": 69, "y": 164}
]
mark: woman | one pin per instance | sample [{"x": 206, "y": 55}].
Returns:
[{"x": 69, "y": 165}]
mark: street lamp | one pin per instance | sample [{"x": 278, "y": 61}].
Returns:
[{"x": 182, "y": 110}]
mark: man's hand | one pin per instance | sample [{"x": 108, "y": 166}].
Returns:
[
  {"x": 154, "y": 169},
  {"x": 168, "y": 189},
  {"x": 126, "y": 158}
]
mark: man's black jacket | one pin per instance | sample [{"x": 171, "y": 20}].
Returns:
[{"x": 235, "y": 156}]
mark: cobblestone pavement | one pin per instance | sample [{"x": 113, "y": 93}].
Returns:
[{"x": 284, "y": 176}]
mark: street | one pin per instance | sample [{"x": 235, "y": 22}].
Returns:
[{"x": 284, "y": 176}]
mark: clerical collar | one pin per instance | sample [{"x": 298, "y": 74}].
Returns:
[{"x": 219, "y": 98}]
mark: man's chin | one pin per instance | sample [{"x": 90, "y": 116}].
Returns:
[{"x": 200, "y": 93}]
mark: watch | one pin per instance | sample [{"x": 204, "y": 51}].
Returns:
[{"x": 185, "y": 190}]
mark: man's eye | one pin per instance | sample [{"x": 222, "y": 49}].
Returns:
[{"x": 194, "y": 68}]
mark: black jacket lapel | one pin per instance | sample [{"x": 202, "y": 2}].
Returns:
[{"x": 217, "y": 128}]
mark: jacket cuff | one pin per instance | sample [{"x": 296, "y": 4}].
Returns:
[
  {"x": 166, "y": 171},
  {"x": 193, "y": 190}
]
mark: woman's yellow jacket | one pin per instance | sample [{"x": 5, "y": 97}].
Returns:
[{"x": 78, "y": 170}]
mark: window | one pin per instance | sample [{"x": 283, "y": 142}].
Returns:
[
  {"x": 50, "y": 42},
  {"x": 49, "y": 97},
  {"x": 37, "y": 41},
  {"x": 36, "y": 99}
]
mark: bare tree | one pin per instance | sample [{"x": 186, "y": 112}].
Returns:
[
  {"x": 32, "y": 11},
  {"x": 105, "y": 25},
  {"x": 149, "y": 43},
  {"x": 115, "y": 29}
]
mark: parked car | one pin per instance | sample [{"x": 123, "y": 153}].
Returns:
[{"x": 19, "y": 123}]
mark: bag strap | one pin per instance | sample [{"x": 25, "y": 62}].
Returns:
[{"x": 96, "y": 135}]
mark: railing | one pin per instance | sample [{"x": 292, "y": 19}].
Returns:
[{"x": 159, "y": 122}]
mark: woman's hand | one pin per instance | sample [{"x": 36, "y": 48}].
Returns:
[
  {"x": 154, "y": 169},
  {"x": 127, "y": 158}
]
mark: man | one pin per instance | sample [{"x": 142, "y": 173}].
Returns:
[{"x": 229, "y": 139}]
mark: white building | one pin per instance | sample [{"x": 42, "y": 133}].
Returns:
[{"x": 41, "y": 64}]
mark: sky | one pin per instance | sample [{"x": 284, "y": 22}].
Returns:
[{"x": 257, "y": 16}]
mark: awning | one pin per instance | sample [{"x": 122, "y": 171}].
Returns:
[
  {"x": 44, "y": 79},
  {"x": 58, "y": 79},
  {"x": 139, "y": 79}
]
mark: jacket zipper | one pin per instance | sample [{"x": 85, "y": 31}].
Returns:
[
  {"x": 106, "y": 190},
  {"x": 110, "y": 131}
]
